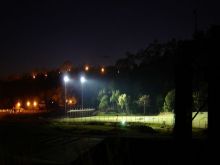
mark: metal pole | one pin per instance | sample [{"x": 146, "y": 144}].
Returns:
[
  {"x": 65, "y": 97},
  {"x": 82, "y": 96}
]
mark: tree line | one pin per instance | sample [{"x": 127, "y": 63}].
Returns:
[{"x": 141, "y": 82}]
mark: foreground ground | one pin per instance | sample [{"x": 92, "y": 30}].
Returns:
[{"x": 31, "y": 139}]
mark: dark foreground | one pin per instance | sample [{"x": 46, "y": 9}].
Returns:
[{"x": 37, "y": 141}]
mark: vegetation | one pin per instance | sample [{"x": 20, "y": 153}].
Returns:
[
  {"x": 144, "y": 101},
  {"x": 104, "y": 102},
  {"x": 141, "y": 82},
  {"x": 114, "y": 99},
  {"x": 169, "y": 101}
]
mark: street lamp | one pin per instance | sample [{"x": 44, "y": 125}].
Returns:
[
  {"x": 66, "y": 80},
  {"x": 82, "y": 80},
  {"x": 87, "y": 68},
  {"x": 102, "y": 70},
  {"x": 28, "y": 103}
]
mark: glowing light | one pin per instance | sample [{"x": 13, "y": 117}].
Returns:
[
  {"x": 123, "y": 122},
  {"x": 82, "y": 79},
  {"x": 33, "y": 76},
  {"x": 28, "y": 103},
  {"x": 87, "y": 68},
  {"x": 45, "y": 75},
  {"x": 70, "y": 101},
  {"x": 66, "y": 79},
  {"x": 35, "y": 103},
  {"x": 102, "y": 70},
  {"x": 18, "y": 104}
]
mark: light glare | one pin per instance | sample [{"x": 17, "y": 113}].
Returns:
[
  {"x": 82, "y": 79},
  {"x": 35, "y": 103},
  {"x": 18, "y": 104},
  {"x": 87, "y": 68},
  {"x": 102, "y": 69},
  {"x": 28, "y": 103},
  {"x": 123, "y": 122},
  {"x": 66, "y": 79}
]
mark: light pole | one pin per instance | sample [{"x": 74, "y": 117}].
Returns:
[
  {"x": 66, "y": 80},
  {"x": 82, "y": 80}
]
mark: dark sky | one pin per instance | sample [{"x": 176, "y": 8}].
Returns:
[{"x": 36, "y": 34}]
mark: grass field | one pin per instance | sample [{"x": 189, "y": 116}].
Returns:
[
  {"x": 34, "y": 139},
  {"x": 200, "y": 121}
]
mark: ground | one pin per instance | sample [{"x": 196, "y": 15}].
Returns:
[{"x": 32, "y": 139}]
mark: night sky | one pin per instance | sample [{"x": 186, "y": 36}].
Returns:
[{"x": 44, "y": 34}]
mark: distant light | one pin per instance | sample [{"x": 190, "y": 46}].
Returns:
[
  {"x": 33, "y": 76},
  {"x": 82, "y": 79},
  {"x": 102, "y": 70},
  {"x": 66, "y": 79},
  {"x": 45, "y": 75},
  {"x": 18, "y": 104},
  {"x": 123, "y": 122},
  {"x": 28, "y": 103},
  {"x": 87, "y": 68},
  {"x": 35, "y": 103},
  {"x": 70, "y": 101}
]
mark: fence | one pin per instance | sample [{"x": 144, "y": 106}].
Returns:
[
  {"x": 200, "y": 123},
  {"x": 89, "y": 115},
  {"x": 76, "y": 113}
]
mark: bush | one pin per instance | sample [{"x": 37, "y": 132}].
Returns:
[{"x": 169, "y": 101}]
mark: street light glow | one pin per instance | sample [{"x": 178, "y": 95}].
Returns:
[
  {"x": 18, "y": 104},
  {"x": 28, "y": 103},
  {"x": 82, "y": 79},
  {"x": 35, "y": 103},
  {"x": 66, "y": 79},
  {"x": 102, "y": 69},
  {"x": 86, "y": 68}
]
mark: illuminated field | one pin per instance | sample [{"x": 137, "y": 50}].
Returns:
[{"x": 200, "y": 121}]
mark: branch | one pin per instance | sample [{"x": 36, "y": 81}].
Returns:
[{"x": 204, "y": 104}]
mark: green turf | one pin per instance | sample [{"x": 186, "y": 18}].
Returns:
[{"x": 163, "y": 119}]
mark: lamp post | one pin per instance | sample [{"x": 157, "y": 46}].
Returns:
[
  {"x": 82, "y": 80},
  {"x": 66, "y": 80}
]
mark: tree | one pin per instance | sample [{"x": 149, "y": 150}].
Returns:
[
  {"x": 144, "y": 101},
  {"x": 169, "y": 102},
  {"x": 114, "y": 98},
  {"x": 123, "y": 102},
  {"x": 104, "y": 102},
  {"x": 200, "y": 97},
  {"x": 101, "y": 93}
]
